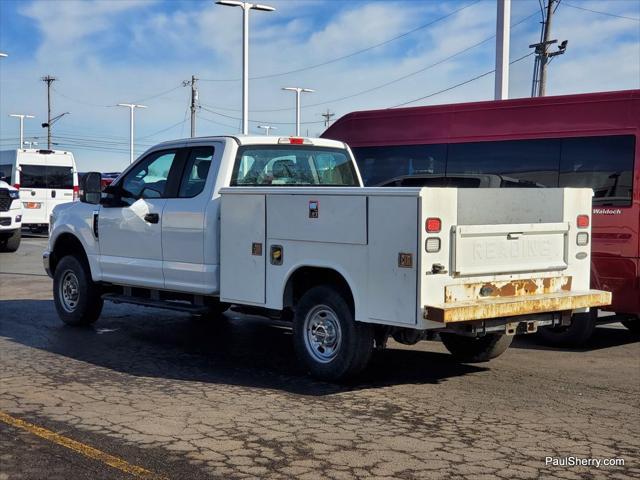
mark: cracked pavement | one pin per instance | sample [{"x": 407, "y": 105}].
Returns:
[{"x": 227, "y": 399}]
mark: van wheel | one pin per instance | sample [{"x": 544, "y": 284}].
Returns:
[
  {"x": 332, "y": 345},
  {"x": 76, "y": 296},
  {"x": 12, "y": 243},
  {"x": 476, "y": 349},
  {"x": 574, "y": 335}
]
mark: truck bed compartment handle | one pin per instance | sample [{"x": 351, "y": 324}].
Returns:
[{"x": 514, "y": 235}]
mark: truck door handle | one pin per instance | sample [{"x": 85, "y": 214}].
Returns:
[
  {"x": 152, "y": 218},
  {"x": 514, "y": 235}
]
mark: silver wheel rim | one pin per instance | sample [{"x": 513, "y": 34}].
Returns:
[
  {"x": 69, "y": 291},
  {"x": 322, "y": 333}
]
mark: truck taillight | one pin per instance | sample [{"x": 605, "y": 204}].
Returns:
[
  {"x": 583, "y": 221},
  {"x": 433, "y": 225},
  {"x": 295, "y": 140},
  {"x": 76, "y": 192}
]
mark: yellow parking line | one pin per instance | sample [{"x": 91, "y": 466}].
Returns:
[{"x": 81, "y": 448}]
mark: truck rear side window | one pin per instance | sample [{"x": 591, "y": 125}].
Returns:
[{"x": 293, "y": 166}]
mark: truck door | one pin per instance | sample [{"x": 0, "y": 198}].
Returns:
[
  {"x": 186, "y": 265},
  {"x": 130, "y": 222}
]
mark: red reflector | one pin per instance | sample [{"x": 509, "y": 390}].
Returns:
[
  {"x": 583, "y": 221},
  {"x": 296, "y": 141},
  {"x": 433, "y": 225},
  {"x": 16, "y": 186}
]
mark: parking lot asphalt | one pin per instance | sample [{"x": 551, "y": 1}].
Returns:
[{"x": 146, "y": 393}]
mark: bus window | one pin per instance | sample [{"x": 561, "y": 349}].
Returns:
[
  {"x": 521, "y": 163},
  {"x": 379, "y": 164},
  {"x": 602, "y": 163}
]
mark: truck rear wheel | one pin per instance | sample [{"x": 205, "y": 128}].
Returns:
[
  {"x": 11, "y": 243},
  {"x": 76, "y": 296},
  {"x": 332, "y": 345},
  {"x": 574, "y": 335},
  {"x": 476, "y": 349}
]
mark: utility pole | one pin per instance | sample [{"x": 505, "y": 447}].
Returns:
[
  {"x": 49, "y": 80},
  {"x": 543, "y": 56},
  {"x": 327, "y": 117},
  {"x": 194, "y": 101},
  {"x": 21, "y": 116},
  {"x": 503, "y": 32}
]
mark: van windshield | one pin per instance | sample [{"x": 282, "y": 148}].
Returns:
[{"x": 275, "y": 165}]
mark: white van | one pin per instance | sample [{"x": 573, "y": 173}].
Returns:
[{"x": 45, "y": 178}]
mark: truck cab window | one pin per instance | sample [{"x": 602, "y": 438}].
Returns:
[
  {"x": 148, "y": 179},
  {"x": 287, "y": 166},
  {"x": 195, "y": 172}
]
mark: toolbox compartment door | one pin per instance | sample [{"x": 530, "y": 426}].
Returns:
[{"x": 510, "y": 248}]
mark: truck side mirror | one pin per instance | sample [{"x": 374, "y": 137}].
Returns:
[{"x": 91, "y": 188}]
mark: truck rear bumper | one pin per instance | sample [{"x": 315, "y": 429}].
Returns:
[{"x": 497, "y": 307}]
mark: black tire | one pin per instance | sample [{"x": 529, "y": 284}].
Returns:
[
  {"x": 632, "y": 324},
  {"x": 574, "y": 335},
  {"x": 349, "y": 344},
  {"x": 476, "y": 349},
  {"x": 12, "y": 243},
  {"x": 76, "y": 296}
]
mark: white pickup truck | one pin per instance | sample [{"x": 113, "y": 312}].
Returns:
[{"x": 283, "y": 227}]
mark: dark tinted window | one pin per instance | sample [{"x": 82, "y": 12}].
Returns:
[
  {"x": 602, "y": 163},
  {"x": 5, "y": 172},
  {"x": 33, "y": 176},
  {"x": 515, "y": 163},
  {"x": 59, "y": 177},
  {"x": 195, "y": 172},
  {"x": 381, "y": 164}
]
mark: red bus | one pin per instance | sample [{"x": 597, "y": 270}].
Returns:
[{"x": 588, "y": 140}]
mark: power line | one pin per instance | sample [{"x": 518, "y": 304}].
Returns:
[
  {"x": 635, "y": 19},
  {"x": 391, "y": 82},
  {"x": 477, "y": 77},
  {"x": 349, "y": 55},
  {"x": 258, "y": 121}
]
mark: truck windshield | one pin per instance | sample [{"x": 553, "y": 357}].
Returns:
[{"x": 293, "y": 166}]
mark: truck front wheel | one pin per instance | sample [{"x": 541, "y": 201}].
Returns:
[
  {"x": 12, "y": 242},
  {"x": 476, "y": 349},
  {"x": 332, "y": 345},
  {"x": 76, "y": 296}
]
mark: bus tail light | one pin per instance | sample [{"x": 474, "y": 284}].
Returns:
[
  {"x": 433, "y": 225},
  {"x": 583, "y": 221}
]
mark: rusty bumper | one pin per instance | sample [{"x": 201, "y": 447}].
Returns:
[{"x": 497, "y": 307}]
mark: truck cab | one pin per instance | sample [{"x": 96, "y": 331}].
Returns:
[{"x": 281, "y": 226}]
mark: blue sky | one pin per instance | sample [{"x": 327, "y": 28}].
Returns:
[{"x": 108, "y": 52}]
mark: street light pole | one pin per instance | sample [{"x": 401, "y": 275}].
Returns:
[
  {"x": 246, "y": 6},
  {"x": 132, "y": 107},
  {"x": 267, "y": 128},
  {"x": 21, "y": 116},
  {"x": 298, "y": 91}
]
